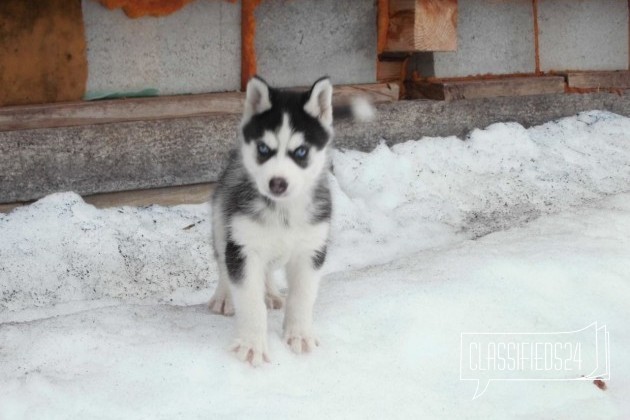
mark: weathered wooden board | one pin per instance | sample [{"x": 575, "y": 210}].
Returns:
[
  {"x": 149, "y": 154},
  {"x": 42, "y": 51},
  {"x": 471, "y": 89},
  {"x": 7, "y": 208},
  {"x": 599, "y": 79},
  {"x": 145, "y": 109},
  {"x": 422, "y": 25},
  {"x": 169, "y": 196},
  {"x": 119, "y": 110}
]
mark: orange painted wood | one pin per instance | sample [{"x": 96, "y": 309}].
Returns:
[
  {"x": 139, "y": 8},
  {"x": 383, "y": 24},
  {"x": 248, "y": 40}
]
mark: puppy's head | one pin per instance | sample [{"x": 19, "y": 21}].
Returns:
[{"x": 285, "y": 136}]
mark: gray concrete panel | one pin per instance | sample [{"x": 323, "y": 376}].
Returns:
[
  {"x": 298, "y": 41},
  {"x": 583, "y": 34},
  {"x": 197, "y": 49},
  {"x": 493, "y": 37}
]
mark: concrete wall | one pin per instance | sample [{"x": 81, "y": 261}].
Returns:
[
  {"x": 197, "y": 49},
  {"x": 492, "y": 37},
  {"x": 497, "y": 37},
  {"x": 298, "y": 41},
  {"x": 583, "y": 34}
]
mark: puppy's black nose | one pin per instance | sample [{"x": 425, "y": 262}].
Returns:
[{"x": 278, "y": 185}]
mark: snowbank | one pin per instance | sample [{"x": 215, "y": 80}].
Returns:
[{"x": 422, "y": 194}]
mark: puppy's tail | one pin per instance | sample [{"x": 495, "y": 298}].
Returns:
[{"x": 358, "y": 109}]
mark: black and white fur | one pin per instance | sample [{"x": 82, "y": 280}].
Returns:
[{"x": 272, "y": 209}]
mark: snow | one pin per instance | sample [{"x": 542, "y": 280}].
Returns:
[{"x": 102, "y": 312}]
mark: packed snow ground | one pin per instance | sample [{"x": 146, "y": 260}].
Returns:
[{"x": 102, "y": 312}]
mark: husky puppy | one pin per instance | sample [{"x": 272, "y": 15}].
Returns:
[{"x": 272, "y": 209}]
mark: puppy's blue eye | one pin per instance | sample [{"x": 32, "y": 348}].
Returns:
[
  {"x": 263, "y": 149},
  {"x": 300, "y": 152}
]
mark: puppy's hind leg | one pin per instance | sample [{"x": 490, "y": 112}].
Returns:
[
  {"x": 273, "y": 297},
  {"x": 221, "y": 301}
]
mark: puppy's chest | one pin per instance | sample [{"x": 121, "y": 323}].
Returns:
[{"x": 279, "y": 234}]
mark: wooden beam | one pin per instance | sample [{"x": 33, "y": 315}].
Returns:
[
  {"x": 599, "y": 79},
  {"x": 158, "y": 108},
  {"x": 422, "y": 25},
  {"x": 471, "y": 89},
  {"x": 118, "y": 110}
]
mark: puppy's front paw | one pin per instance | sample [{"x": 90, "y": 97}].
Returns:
[
  {"x": 251, "y": 350},
  {"x": 300, "y": 341},
  {"x": 221, "y": 303}
]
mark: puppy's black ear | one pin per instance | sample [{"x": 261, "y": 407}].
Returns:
[
  {"x": 319, "y": 103},
  {"x": 256, "y": 99}
]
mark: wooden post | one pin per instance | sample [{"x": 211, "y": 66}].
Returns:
[
  {"x": 248, "y": 41},
  {"x": 536, "y": 37}
]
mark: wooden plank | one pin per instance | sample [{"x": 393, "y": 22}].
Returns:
[
  {"x": 422, "y": 25},
  {"x": 8, "y": 208},
  {"x": 471, "y": 89},
  {"x": 181, "y": 151},
  {"x": 42, "y": 51},
  {"x": 169, "y": 196},
  {"x": 118, "y": 110},
  {"x": 147, "y": 109},
  {"x": 599, "y": 79}
]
